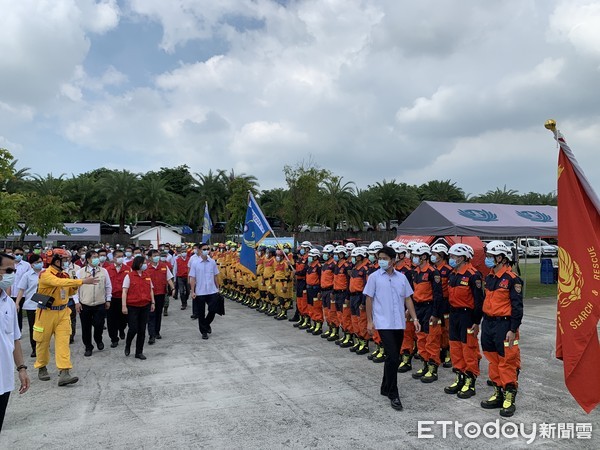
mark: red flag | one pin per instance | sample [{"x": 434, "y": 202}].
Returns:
[{"x": 578, "y": 309}]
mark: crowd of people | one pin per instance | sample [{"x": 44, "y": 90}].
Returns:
[{"x": 412, "y": 302}]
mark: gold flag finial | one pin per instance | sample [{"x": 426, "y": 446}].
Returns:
[{"x": 550, "y": 125}]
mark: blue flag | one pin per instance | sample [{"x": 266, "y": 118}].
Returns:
[
  {"x": 256, "y": 228},
  {"x": 206, "y": 225}
]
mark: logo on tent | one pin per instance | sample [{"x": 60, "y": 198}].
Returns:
[
  {"x": 479, "y": 215},
  {"x": 535, "y": 216}
]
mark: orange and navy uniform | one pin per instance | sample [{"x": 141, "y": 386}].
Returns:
[
  {"x": 326, "y": 284},
  {"x": 502, "y": 312},
  {"x": 313, "y": 287},
  {"x": 340, "y": 289},
  {"x": 358, "y": 280},
  {"x": 465, "y": 296},
  {"x": 428, "y": 298}
]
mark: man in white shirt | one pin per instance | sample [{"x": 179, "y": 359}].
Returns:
[
  {"x": 10, "y": 346},
  {"x": 94, "y": 300},
  {"x": 22, "y": 267},
  {"x": 27, "y": 287},
  {"x": 388, "y": 296},
  {"x": 205, "y": 288}
]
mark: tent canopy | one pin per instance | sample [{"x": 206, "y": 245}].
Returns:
[{"x": 480, "y": 219}]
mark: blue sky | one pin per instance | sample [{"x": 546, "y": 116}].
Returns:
[{"x": 371, "y": 90}]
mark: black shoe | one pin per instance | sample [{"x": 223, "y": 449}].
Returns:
[
  {"x": 71, "y": 340},
  {"x": 33, "y": 355},
  {"x": 122, "y": 335},
  {"x": 384, "y": 393},
  {"x": 158, "y": 336},
  {"x": 88, "y": 352},
  {"x": 397, "y": 404},
  {"x": 209, "y": 330},
  {"x": 193, "y": 316},
  {"x": 100, "y": 346},
  {"x": 152, "y": 340},
  {"x": 296, "y": 318},
  {"x": 114, "y": 344},
  {"x": 127, "y": 349},
  {"x": 183, "y": 307},
  {"x": 205, "y": 336},
  {"x": 140, "y": 356}
]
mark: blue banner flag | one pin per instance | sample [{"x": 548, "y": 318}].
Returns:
[
  {"x": 256, "y": 228},
  {"x": 206, "y": 225}
]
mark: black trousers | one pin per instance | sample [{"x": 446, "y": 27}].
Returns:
[
  {"x": 73, "y": 320},
  {"x": 155, "y": 318},
  {"x": 92, "y": 317},
  {"x": 116, "y": 321},
  {"x": 204, "y": 319},
  {"x": 392, "y": 341},
  {"x": 31, "y": 322},
  {"x": 184, "y": 289},
  {"x": 20, "y": 315},
  {"x": 3, "y": 405},
  {"x": 137, "y": 319}
]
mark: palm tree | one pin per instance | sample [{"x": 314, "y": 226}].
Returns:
[
  {"x": 210, "y": 188},
  {"x": 502, "y": 196},
  {"x": 18, "y": 178},
  {"x": 155, "y": 198},
  {"x": 370, "y": 207},
  {"x": 535, "y": 198},
  {"x": 84, "y": 192},
  {"x": 121, "y": 195},
  {"x": 48, "y": 185},
  {"x": 338, "y": 202},
  {"x": 272, "y": 202},
  {"x": 441, "y": 191},
  {"x": 398, "y": 199}
]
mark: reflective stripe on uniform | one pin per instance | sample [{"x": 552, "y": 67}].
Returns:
[
  {"x": 515, "y": 342},
  {"x": 38, "y": 329}
]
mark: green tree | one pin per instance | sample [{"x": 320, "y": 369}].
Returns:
[
  {"x": 338, "y": 202},
  {"x": 48, "y": 185},
  {"x": 502, "y": 196},
  {"x": 535, "y": 198},
  {"x": 40, "y": 214},
  {"x": 272, "y": 202},
  {"x": 83, "y": 190},
  {"x": 17, "y": 179},
  {"x": 238, "y": 203},
  {"x": 121, "y": 196},
  {"x": 6, "y": 166},
  {"x": 155, "y": 198},
  {"x": 211, "y": 188},
  {"x": 399, "y": 199},
  {"x": 441, "y": 191},
  {"x": 9, "y": 213},
  {"x": 370, "y": 207}
]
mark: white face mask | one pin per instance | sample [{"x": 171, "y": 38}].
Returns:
[{"x": 7, "y": 281}]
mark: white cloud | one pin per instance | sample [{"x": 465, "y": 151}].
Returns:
[{"x": 578, "y": 22}]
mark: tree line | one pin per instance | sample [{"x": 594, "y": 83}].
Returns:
[{"x": 38, "y": 204}]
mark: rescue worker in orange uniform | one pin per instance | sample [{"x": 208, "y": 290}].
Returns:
[
  {"x": 54, "y": 319},
  {"x": 439, "y": 259},
  {"x": 466, "y": 300},
  {"x": 502, "y": 316},
  {"x": 358, "y": 279},
  {"x": 378, "y": 355},
  {"x": 428, "y": 299},
  {"x": 283, "y": 293},
  {"x": 313, "y": 291},
  {"x": 327, "y": 299},
  {"x": 302, "y": 316},
  {"x": 341, "y": 282}
]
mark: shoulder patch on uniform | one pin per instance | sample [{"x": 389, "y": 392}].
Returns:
[
  {"x": 518, "y": 288},
  {"x": 437, "y": 278},
  {"x": 478, "y": 284}
]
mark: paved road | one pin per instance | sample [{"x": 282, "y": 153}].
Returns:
[{"x": 259, "y": 383}]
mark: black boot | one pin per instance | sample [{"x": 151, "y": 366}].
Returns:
[
  {"x": 419, "y": 373},
  {"x": 296, "y": 317},
  {"x": 508, "y": 406},
  {"x": 455, "y": 387},
  {"x": 431, "y": 374},
  {"x": 495, "y": 401},
  {"x": 468, "y": 390},
  {"x": 406, "y": 363}
]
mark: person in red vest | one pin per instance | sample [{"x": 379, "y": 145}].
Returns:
[
  {"x": 428, "y": 299},
  {"x": 116, "y": 321},
  {"x": 465, "y": 294},
  {"x": 358, "y": 280},
  {"x": 182, "y": 272},
  {"x": 161, "y": 278},
  {"x": 502, "y": 315},
  {"x": 439, "y": 259},
  {"x": 138, "y": 302}
]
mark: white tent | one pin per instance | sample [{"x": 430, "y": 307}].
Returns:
[{"x": 156, "y": 236}]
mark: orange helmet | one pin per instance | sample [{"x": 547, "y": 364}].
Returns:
[{"x": 60, "y": 252}]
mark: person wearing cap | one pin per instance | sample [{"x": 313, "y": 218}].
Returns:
[
  {"x": 54, "y": 320},
  {"x": 388, "y": 296},
  {"x": 502, "y": 316}
]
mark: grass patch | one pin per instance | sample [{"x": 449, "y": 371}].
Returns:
[{"x": 530, "y": 273}]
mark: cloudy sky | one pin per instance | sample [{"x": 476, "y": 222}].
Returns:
[{"x": 413, "y": 91}]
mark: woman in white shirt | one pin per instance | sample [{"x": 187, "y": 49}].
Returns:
[{"x": 27, "y": 287}]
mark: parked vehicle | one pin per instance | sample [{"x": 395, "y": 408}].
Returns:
[
  {"x": 393, "y": 226},
  {"x": 536, "y": 247},
  {"x": 144, "y": 225},
  {"x": 345, "y": 226},
  {"x": 276, "y": 224},
  {"x": 219, "y": 227},
  {"x": 313, "y": 228},
  {"x": 105, "y": 227}
]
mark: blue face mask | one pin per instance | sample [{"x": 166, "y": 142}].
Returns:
[
  {"x": 416, "y": 260},
  {"x": 155, "y": 259},
  {"x": 38, "y": 265},
  {"x": 489, "y": 262},
  {"x": 144, "y": 266},
  {"x": 310, "y": 259},
  {"x": 372, "y": 258},
  {"x": 354, "y": 260},
  {"x": 384, "y": 264},
  {"x": 325, "y": 256},
  {"x": 336, "y": 258},
  {"x": 434, "y": 259},
  {"x": 302, "y": 251},
  {"x": 18, "y": 258},
  {"x": 453, "y": 263},
  {"x": 95, "y": 262}
]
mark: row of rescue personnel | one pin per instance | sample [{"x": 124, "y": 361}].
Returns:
[{"x": 450, "y": 296}]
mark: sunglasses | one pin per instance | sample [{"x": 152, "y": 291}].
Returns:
[{"x": 9, "y": 270}]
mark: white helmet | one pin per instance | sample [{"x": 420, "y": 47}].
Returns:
[
  {"x": 498, "y": 248},
  {"x": 340, "y": 249},
  {"x": 314, "y": 252},
  {"x": 471, "y": 251},
  {"x": 306, "y": 244},
  {"x": 374, "y": 247},
  {"x": 460, "y": 250},
  {"x": 439, "y": 248},
  {"x": 421, "y": 248},
  {"x": 350, "y": 246},
  {"x": 391, "y": 243},
  {"x": 411, "y": 245},
  {"x": 359, "y": 251},
  {"x": 400, "y": 247},
  {"x": 328, "y": 248}
]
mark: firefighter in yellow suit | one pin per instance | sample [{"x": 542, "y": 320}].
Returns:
[{"x": 55, "y": 319}]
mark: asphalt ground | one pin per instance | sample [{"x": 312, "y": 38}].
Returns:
[{"x": 260, "y": 383}]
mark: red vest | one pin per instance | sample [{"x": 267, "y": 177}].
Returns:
[
  {"x": 182, "y": 267},
  {"x": 159, "y": 277},
  {"x": 140, "y": 288},
  {"x": 116, "y": 278}
]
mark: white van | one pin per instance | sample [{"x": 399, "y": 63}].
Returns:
[{"x": 535, "y": 247}]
